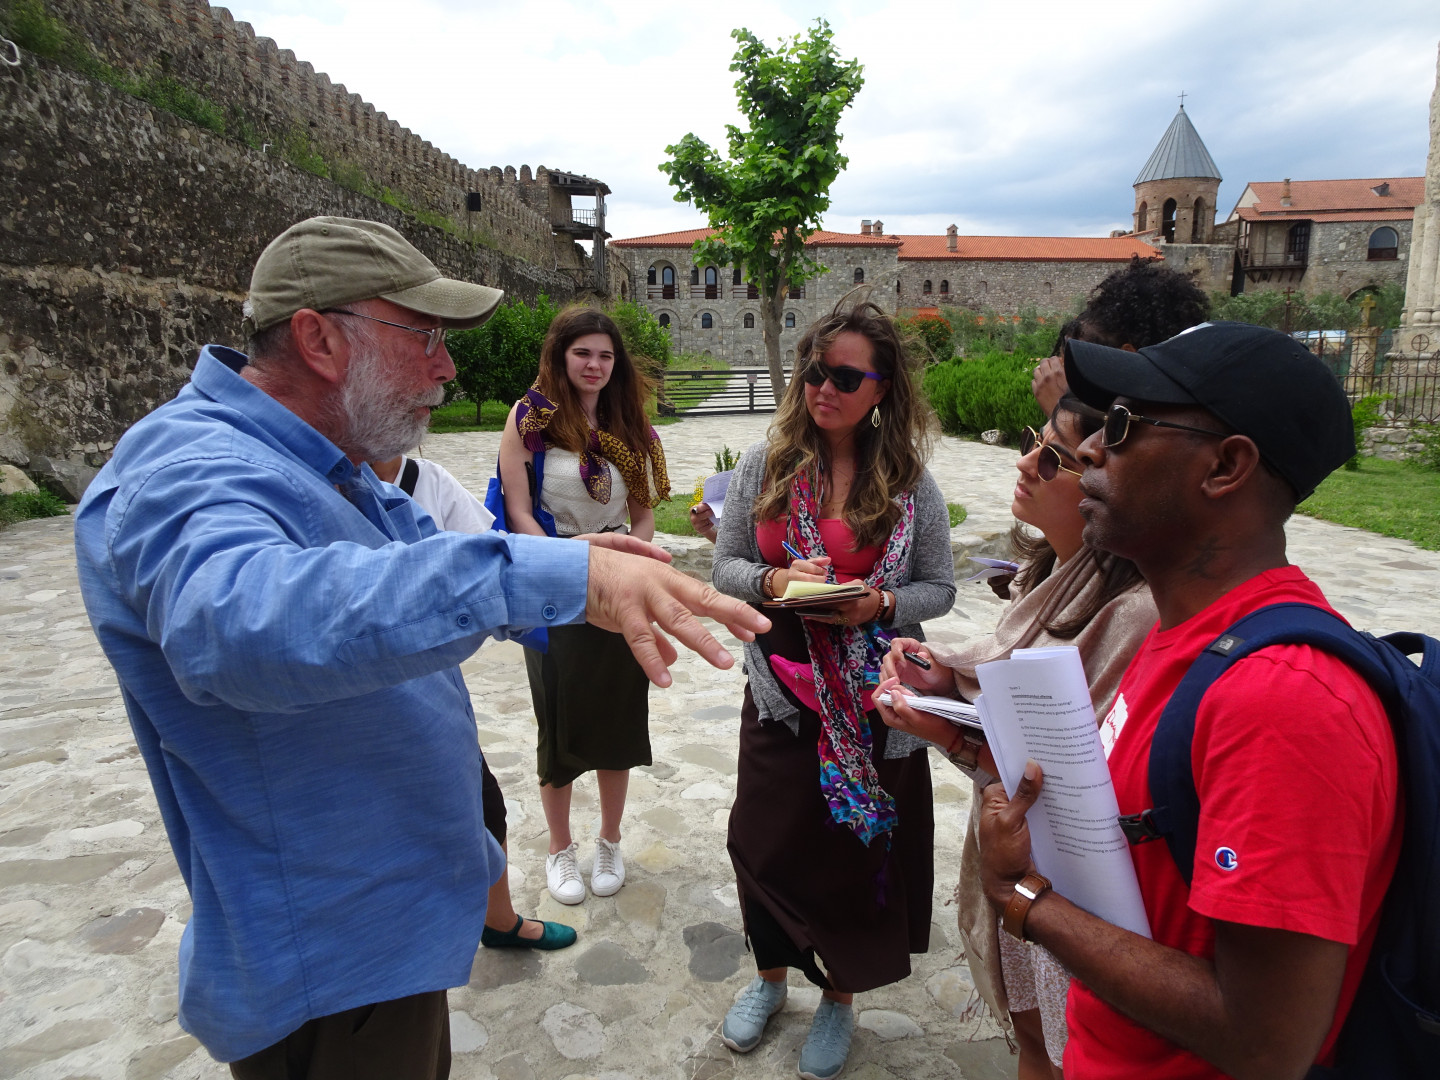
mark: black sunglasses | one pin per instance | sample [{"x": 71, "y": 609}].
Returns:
[
  {"x": 1047, "y": 466},
  {"x": 846, "y": 379},
  {"x": 1119, "y": 419}
]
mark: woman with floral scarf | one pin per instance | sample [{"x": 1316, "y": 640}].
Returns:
[
  {"x": 832, "y": 828},
  {"x": 581, "y": 430}
]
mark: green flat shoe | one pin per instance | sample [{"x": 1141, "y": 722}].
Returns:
[{"x": 555, "y": 936}]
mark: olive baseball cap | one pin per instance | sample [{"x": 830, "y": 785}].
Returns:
[
  {"x": 1262, "y": 383},
  {"x": 325, "y": 262}
]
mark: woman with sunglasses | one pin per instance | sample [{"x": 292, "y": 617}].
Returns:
[
  {"x": 602, "y": 466},
  {"x": 832, "y": 827},
  {"x": 1064, "y": 594}
]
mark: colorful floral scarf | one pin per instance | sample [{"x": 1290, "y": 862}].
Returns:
[
  {"x": 533, "y": 415},
  {"x": 846, "y": 659}
]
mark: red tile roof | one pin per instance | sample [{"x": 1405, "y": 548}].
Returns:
[
  {"x": 686, "y": 237},
  {"x": 1330, "y": 199},
  {"x": 1028, "y": 248}
]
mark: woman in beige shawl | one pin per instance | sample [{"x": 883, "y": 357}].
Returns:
[{"x": 1064, "y": 594}]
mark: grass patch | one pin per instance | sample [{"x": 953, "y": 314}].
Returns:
[
  {"x": 957, "y": 513},
  {"x": 1392, "y": 498},
  {"x": 696, "y": 389},
  {"x": 26, "y": 505},
  {"x": 459, "y": 415},
  {"x": 673, "y": 516}
]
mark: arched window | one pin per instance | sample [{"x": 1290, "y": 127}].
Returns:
[
  {"x": 622, "y": 290},
  {"x": 1384, "y": 243},
  {"x": 667, "y": 275},
  {"x": 749, "y": 356},
  {"x": 926, "y": 289},
  {"x": 859, "y": 275},
  {"x": 944, "y": 288},
  {"x": 664, "y": 320},
  {"x": 1167, "y": 220},
  {"x": 712, "y": 277},
  {"x": 789, "y": 320},
  {"x": 650, "y": 277},
  {"x": 1197, "y": 222},
  {"x": 1049, "y": 288},
  {"x": 694, "y": 275},
  {"x": 707, "y": 321},
  {"x": 749, "y": 320},
  {"x": 1142, "y": 217},
  {"x": 736, "y": 278},
  {"x": 984, "y": 288}
]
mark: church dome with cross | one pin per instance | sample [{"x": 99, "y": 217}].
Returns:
[{"x": 1175, "y": 192}]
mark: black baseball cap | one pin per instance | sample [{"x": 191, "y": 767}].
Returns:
[{"x": 1262, "y": 383}]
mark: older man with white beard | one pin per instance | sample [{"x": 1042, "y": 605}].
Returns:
[{"x": 287, "y": 634}]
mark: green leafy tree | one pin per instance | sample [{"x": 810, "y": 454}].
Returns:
[
  {"x": 647, "y": 342},
  {"x": 934, "y": 333},
  {"x": 766, "y": 197},
  {"x": 499, "y": 361}
]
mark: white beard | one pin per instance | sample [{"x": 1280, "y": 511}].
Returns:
[{"x": 380, "y": 419}]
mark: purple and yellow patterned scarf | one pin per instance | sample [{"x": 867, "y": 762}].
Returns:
[
  {"x": 533, "y": 415},
  {"x": 845, "y": 659}
]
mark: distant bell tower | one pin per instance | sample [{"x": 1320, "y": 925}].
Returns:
[{"x": 1176, "y": 191}]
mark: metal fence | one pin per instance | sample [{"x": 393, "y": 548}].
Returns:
[
  {"x": 696, "y": 393},
  {"x": 1405, "y": 371}
]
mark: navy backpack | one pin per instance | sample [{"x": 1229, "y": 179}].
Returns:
[
  {"x": 537, "y": 638},
  {"x": 1393, "y": 1029}
]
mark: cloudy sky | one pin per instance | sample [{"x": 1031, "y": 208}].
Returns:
[{"x": 1022, "y": 118}]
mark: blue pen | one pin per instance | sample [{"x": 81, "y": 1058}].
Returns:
[{"x": 829, "y": 570}]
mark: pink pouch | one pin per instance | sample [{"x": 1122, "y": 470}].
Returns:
[{"x": 799, "y": 679}]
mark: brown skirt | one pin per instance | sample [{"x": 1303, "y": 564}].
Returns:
[
  {"x": 860, "y": 910},
  {"x": 592, "y": 704}
]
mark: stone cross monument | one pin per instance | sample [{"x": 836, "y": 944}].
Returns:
[{"x": 1419, "y": 335}]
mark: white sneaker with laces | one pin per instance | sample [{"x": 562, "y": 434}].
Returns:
[
  {"x": 608, "y": 873},
  {"x": 562, "y": 876}
]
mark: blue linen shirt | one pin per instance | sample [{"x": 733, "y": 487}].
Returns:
[{"x": 288, "y": 658}]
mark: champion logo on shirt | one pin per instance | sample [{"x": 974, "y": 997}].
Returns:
[
  {"x": 1226, "y": 859},
  {"x": 1114, "y": 721}
]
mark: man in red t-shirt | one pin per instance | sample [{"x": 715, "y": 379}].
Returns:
[{"x": 1211, "y": 439}]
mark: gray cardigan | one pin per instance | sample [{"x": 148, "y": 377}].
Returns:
[{"x": 925, "y": 588}]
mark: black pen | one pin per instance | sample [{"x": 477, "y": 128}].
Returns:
[{"x": 918, "y": 661}]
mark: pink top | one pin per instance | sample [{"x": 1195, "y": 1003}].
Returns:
[{"x": 850, "y": 564}]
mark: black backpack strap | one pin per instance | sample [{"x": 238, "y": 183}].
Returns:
[
  {"x": 409, "y": 477},
  {"x": 1175, "y": 816}
]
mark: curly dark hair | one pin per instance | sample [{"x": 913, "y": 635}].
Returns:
[{"x": 1141, "y": 305}]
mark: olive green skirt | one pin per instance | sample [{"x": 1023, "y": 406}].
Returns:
[{"x": 592, "y": 704}]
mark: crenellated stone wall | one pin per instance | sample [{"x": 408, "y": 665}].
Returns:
[{"x": 127, "y": 236}]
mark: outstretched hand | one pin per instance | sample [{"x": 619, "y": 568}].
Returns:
[
  {"x": 1005, "y": 836},
  {"x": 645, "y": 601}
]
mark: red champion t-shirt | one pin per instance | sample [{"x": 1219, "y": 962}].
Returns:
[{"x": 1295, "y": 767}]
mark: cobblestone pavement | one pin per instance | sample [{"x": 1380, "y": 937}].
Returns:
[{"x": 92, "y": 906}]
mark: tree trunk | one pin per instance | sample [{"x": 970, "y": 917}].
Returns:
[{"x": 770, "y": 305}]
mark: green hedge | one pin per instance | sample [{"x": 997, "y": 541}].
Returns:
[{"x": 992, "y": 391}]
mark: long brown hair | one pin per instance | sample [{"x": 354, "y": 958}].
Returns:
[
  {"x": 1037, "y": 557},
  {"x": 621, "y": 408},
  {"x": 893, "y": 454}
]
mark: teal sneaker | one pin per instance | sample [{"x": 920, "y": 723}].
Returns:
[
  {"x": 746, "y": 1020},
  {"x": 824, "y": 1053}
]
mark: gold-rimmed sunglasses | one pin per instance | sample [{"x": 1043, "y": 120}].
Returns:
[
  {"x": 1119, "y": 419},
  {"x": 1048, "y": 465}
]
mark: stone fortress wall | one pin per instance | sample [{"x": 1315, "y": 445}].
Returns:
[
  {"x": 1003, "y": 285},
  {"x": 127, "y": 233}
]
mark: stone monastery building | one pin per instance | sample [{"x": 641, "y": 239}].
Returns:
[{"x": 1316, "y": 236}]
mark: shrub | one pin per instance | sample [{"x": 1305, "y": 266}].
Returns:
[
  {"x": 933, "y": 334},
  {"x": 993, "y": 391},
  {"x": 1428, "y": 436},
  {"x": 1365, "y": 414},
  {"x": 647, "y": 342},
  {"x": 24, "y": 505},
  {"x": 499, "y": 361}
]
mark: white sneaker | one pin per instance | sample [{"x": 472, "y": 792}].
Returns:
[
  {"x": 562, "y": 876},
  {"x": 608, "y": 873}
]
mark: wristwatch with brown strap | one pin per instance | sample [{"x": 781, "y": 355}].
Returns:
[{"x": 1027, "y": 890}]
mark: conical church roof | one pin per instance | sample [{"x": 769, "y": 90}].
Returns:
[{"x": 1180, "y": 153}]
